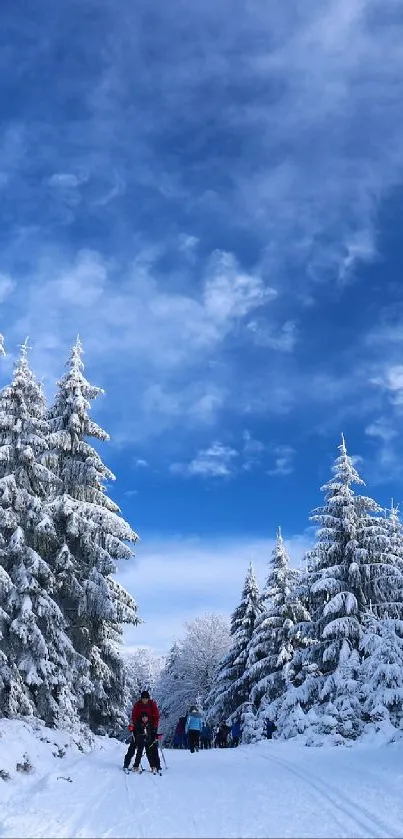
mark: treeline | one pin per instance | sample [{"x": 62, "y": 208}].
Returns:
[
  {"x": 61, "y": 611},
  {"x": 320, "y": 651}
]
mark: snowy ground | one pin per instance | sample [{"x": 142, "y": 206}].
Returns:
[{"x": 270, "y": 790}]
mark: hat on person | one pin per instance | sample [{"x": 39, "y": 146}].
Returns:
[{"x": 144, "y": 694}]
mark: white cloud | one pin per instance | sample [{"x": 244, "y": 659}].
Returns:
[
  {"x": 174, "y": 579},
  {"x": 137, "y": 328},
  {"x": 228, "y": 293},
  {"x": 283, "y": 338},
  {"x": 66, "y": 180},
  {"x": 7, "y": 286},
  {"x": 83, "y": 284},
  {"x": 386, "y": 463},
  {"x": 381, "y": 429},
  {"x": 283, "y": 460},
  {"x": 391, "y": 380},
  {"x": 214, "y": 462},
  {"x": 252, "y": 451}
]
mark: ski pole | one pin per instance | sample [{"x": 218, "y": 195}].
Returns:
[{"x": 162, "y": 754}]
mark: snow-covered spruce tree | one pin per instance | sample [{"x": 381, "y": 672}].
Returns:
[
  {"x": 394, "y": 530},
  {"x": 40, "y": 671},
  {"x": 92, "y": 536},
  {"x": 381, "y": 677},
  {"x": 290, "y": 710},
  {"x": 274, "y": 638},
  {"x": 231, "y": 687},
  {"x": 349, "y": 567}
]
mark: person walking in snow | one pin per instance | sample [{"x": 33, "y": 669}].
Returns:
[
  {"x": 222, "y": 736},
  {"x": 194, "y": 725},
  {"x": 144, "y": 737},
  {"x": 206, "y": 737},
  {"x": 270, "y": 729},
  {"x": 236, "y": 732}
]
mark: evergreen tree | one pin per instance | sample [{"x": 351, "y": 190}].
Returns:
[
  {"x": 350, "y": 567},
  {"x": 275, "y": 638},
  {"x": 92, "y": 536},
  {"x": 382, "y": 671},
  {"x": 40, "y": 672},
  {"x": 340, "y": 581},
  {"x": 394, "y": 530},
  {"x": 232, "y": 684}
]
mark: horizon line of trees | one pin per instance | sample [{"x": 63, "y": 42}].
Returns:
[
  {"x": 319, "y": 650},
  {"x": 61, "y": 611}
]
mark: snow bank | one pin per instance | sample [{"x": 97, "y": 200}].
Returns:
[{"x": 28, "y": 750}]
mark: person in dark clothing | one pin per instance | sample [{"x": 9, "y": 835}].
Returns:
[
  {"x": 236, "y": 732},
  {"x": 270, "y": 729},
  {"x": 206, "y": 737},
  {"x": 144, "y": 737},
  {"x": 179, "y": 737},
  {"x": 222, "y": 736},
  {"x": 183, "y": 721}
]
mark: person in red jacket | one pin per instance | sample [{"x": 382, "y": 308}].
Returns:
[{"x": 145, "y": 705}]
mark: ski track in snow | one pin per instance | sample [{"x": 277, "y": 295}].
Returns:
[
  {"x": 358, "y": 816},
  {"x": 264, "y": 791}
]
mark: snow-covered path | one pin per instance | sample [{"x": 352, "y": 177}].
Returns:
[{"x": 269, "y": 790}]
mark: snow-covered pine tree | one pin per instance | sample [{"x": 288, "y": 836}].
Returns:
[
  {"x": 232, "y": 685},
  {"x": 394, "y": 530},
  {"x": 40, "y": 672},
  {"x": 349, "y": 567},
  {"x": 274, "y": 638},
  {"x": 92, "y": 536},
  {"x": 382, "y": 673}
]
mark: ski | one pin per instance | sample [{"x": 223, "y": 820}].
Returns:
[{"x": 140, "y": 772}]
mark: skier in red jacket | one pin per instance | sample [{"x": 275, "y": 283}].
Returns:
[{"x": 147, "y": 706}]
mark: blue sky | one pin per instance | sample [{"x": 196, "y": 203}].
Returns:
[{"x": 211, "y": 195}]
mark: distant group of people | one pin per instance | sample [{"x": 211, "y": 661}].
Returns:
[
  {"x": 192, "y": 732},
  {"x": 227, "y": 735}
]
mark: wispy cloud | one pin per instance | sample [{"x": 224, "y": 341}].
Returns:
[
  {"x": 283, "y": 460},
  {"x": 283, "y": 339},
  {"x": 391, "y": 381},
  {"x": 385, "y": 465},
  {"x": 164, "y": 338},
  {"x": 252, "y": 452},
  {"x": 214, "y": 462}
]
